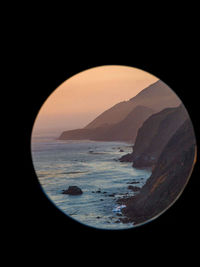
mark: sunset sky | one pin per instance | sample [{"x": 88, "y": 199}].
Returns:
[{"x": 83, "y": 97}]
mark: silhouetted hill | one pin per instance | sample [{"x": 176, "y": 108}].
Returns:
[
  {"x": 154, "y": 135},
  {"x": 121, "y": 122},
  {"x": 126, "y": 130},
  {"x": 156, "y": 96},
  {"x": 84, "y": 134},
  {"x": 168, "y": 178}
]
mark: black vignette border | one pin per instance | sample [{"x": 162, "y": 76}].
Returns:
[{"x": 46, "y": 73}]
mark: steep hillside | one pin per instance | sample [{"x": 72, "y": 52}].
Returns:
[
  {"x": 126, "y": 130},
  {"x": 156, "y": 96},
  {"x": 121, "y": 122},
  {"x": 154, "y": 135},
  {"x": 168, "y": 178},
  {"x": 84, "y": 134}
]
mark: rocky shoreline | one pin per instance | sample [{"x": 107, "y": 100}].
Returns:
[
  {"x": 168, "y": 178},
  {"x": 165, "y": 145}
]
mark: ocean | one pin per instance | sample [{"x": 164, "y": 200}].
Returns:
[{"x": 93, "y": 167}]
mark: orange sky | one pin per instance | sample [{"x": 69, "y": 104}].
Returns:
[{"x": 80, "y": 99}]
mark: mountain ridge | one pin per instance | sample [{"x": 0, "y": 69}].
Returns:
[
  {"x": 155, "y": 97},
  {"x": 126, "y": 130}
]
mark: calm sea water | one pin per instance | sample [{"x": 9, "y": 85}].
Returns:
[{"x": 92, "y": 166}]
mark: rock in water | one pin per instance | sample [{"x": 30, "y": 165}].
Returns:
[
  {"x": 112, "y": 195},
  {"x": 134, "y": 188},
  {"x": 118, "y": 208},
  {"x": 73, "y": 190}
]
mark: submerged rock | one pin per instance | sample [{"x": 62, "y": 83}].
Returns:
[
  {"x": 118, "y": 208},
  {"x": 73, "y": 190},
  {"x": 98, "y": 191},
  {"x": 134, "y": 188}
]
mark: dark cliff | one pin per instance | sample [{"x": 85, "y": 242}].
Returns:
[
  {"x": 168, "y": 178},
  {"x": 154, "y": 135}
]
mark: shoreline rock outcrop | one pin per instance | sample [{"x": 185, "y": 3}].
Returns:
[
  {"x": 168, "y": 178},
  {"x": 154, "y": 134},
  {"x": 134, "y": 188}
]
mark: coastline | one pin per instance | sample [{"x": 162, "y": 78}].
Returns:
[
  {"x": 101, "y": 178},
  {"x": 167, "y": 181},
  {"x": 170, "y": 172}
]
